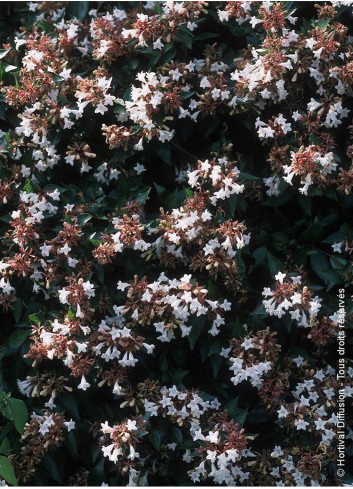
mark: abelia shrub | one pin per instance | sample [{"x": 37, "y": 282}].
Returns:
[{"x": 176, "y": 243}]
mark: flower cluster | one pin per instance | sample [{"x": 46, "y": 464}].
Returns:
[
  {"x": 181, "y": 406},
  {"x": 197, "y": 235},
  {"x": 248, "y": 355},
  {"x": 160, "y": 163},
  {"x": 40, "y": 434},
  {"x": 222, "y": 448},
  {"x": 124, "y": 438},
  {"x": 290, "y": 297}
]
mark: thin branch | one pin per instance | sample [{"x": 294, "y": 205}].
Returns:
[
  {"x": 327, "y": 254},
  {"x": 184, "y": 151}
]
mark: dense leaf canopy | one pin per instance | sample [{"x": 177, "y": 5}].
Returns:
[{"x": 176, "y": 243}]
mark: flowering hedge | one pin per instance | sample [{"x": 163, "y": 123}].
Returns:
[{"x": 176, "y": 243}]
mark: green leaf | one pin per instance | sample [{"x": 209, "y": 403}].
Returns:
[
  {"x": 47, "y": 27},
  {"x": 174, "y": 199},
  {"x": 216, "y": 346},
  {"x": 71, "y": 313},
  {"x": 51, "y": 187},
  {"x": 169, "y": 55},
  {"x": 177, "y": 435},
  {"x": 232, "y": 406},
  {"x": 7, "y": 471},
  {"x": 260, "y": 256},
  {"x": 247, "y": 177},
  {"x": 36, "y": 318},
  {"x": 17, "y": 411},
  {"x": 72, "y": 444},
  {"x": 231, "y": 205},
  {"x": 241, "y": 416},
  {"x": 313, "y": 234},
  {"x": 158, "y": 9},
  {"x": 305, "y": 203},
  {"x": 83, "y": 219},
  {"x": 69, "y": 403},
  {"x": 319, "y": 263},
  {"x": 142, "y": 197},
  {"x": 153, "y": 60},
  {"x": 236, "y": 30},
  {"x": 3, "y": 52},
  {"x": 321, "y": 266},
  {"x": 155, "y": 438},
  {"x": 212, "y": 126},
  {"x": 78, "y": 9},
  {"x": 162, "y": 192},
  {"x": 18, "y": 309},
  {"x": 5, "y": 446},
  {"x": 206, "y": 35},
  {"x": 164, "y": 151},
  {"x": 8, "y": 68},
  {"x": 53, "y": 467},
  {"x": 184, "y": 36},
  {"x": 197, "y": 328},
  {"x": 28, "y": 186},
  {"x": 17, "y": 338},
  {"x": 237, "y": 414},
  {"x": 178, "y": 374},
  {"x": 5, "y": 430},
  {"x": 280, "y": 241},
  {"x": 274, "y": 264},
  {"x": 97, "y": 473},
  {"x": 322, "y": 24},
  {"x": 216, "y": 363},
  {"x": 259, "y": 311}
]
